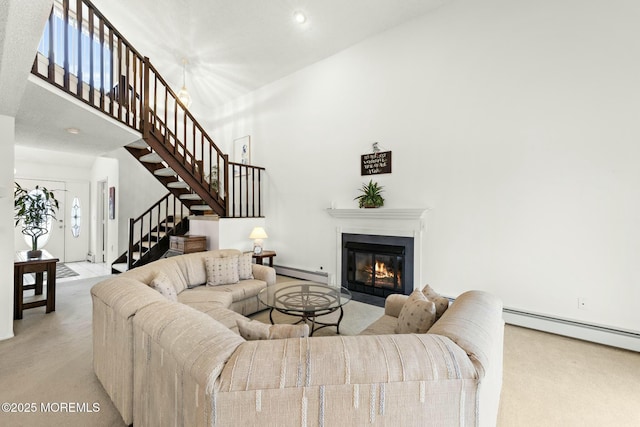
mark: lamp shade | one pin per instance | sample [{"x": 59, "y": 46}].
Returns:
[{"x": 258, "y": 233}]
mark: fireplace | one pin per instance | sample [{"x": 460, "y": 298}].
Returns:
[{"x": 377, "y": 265}]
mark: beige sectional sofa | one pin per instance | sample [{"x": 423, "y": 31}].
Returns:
[
  {"x": 117, "y": 300},
  {"x": 188, "y": 366}
]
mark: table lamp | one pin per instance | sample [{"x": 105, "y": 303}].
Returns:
[{"x": 257, "y": 235}]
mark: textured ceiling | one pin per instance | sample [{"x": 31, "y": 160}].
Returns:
[
  {"x": 232, "y": 48},
  {"x": 236, "y": 46},
  {"x": 16, "y": 37},
  {"x": 45, "y": 114}
]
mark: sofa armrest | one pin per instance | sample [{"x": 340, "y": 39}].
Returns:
[
  {"x": 264, "y": 273},
  {"x": 474, "y": 322},
  {"x": 179, "y": 353},
  {"x": 393, "y": 304},
  {"x": 125, "y": 295},
  {"x": 115, "y": 303}
]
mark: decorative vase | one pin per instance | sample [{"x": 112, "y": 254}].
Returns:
[{"x": 34, "y": 254}]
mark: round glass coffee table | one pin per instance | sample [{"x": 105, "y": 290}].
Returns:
[{"x": 307, "y": 300}]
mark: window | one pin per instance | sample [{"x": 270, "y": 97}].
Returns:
[
  {"x": 76, "y": 220},
  {"x": 86, "y": 41}
]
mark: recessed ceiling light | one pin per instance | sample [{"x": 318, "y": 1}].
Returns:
[
  {"x": 299, "y": 17},
  {"x": 73, "y": 131}
]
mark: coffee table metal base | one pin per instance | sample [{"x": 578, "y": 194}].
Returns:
[{"x": 310, "y": 316}]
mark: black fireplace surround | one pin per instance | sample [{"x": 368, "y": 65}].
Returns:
[{"x": 377, "y": 265}]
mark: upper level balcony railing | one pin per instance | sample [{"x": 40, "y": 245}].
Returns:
[{"x": 84, "y": 55}]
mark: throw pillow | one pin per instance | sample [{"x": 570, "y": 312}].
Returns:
[
  {"x": 417, "y": 315},
  {"x": 245, "y": 266},
  {"x": 162, "y": 284},
  {"x": 222, "y": 271},
  {"x": 441, "y": 302},
  {"x": 254, "y": 330}
]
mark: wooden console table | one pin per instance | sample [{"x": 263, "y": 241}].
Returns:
[{"x": 23, "y": 265}]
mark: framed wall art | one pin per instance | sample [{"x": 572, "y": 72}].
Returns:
[
  {"x": 112, "y": 202},
  {"x": 242, "y": 154}
]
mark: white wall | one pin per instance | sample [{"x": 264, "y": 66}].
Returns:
[
  {"x": 105, "y": 169},
  {"x": 35, "y": 163},
  {"x": 234, "y": 233},
  {"x": 514, "y": 121},
  {"x": 7, "y": 126},
  {"x": 226, "y": 233}
]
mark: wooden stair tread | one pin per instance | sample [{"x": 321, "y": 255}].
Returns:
[
  {"x": 200, "y": 208},
  {"x": 151, "y": 158},
  {"x": 165, "y": 172},
  {"x": 189, "y": 196},
  {"x": 140, "y": 144},
  {"x": 121, "y": 267},
  {"x": 178, "y": 184}
]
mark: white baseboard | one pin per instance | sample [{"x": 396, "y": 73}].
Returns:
[
  {"x": 629, "y": 340},
  {"x": 6, "y": 337},
  {"x": 314, "y": 276}
]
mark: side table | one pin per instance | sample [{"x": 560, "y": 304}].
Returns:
[
  {"x": 23, "y": 265},
  {"x": 265, "y": 254}
]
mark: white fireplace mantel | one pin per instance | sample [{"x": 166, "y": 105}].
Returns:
[
  {"x": 410, "y": 222},
  {"x": 379, "y": 213}
]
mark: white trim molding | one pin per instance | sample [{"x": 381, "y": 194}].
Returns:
[
  {"x": 379, "y": 213},
  {"x": 615, "y": 337}
]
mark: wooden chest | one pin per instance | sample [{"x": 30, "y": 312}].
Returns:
[{"x": 188, "y": 244}]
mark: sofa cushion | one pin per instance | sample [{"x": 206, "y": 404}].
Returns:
[
  {"x": 209, "y": 295},
  {"x": 441, "y": 302},
  {"x": 255, "y": 330},
  {"x": 243, "y": 289},
  {"x": 383, "y": 326},
  {"x": 222, "y": 271},
  {"x": 417, "y": 315},
  {"x": 245, "y": 266},
  {"x": 223, "y": 315},
  {"x": 162, "y": 284}
]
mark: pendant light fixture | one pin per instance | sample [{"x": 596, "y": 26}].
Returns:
[{"x": 183, "y": 95}]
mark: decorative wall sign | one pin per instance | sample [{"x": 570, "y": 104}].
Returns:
[{"x": 375, "y": 163}]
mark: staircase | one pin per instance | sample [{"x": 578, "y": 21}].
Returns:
[
  {"x": 169, "y": 177},
  {"x": 94, "y": 63},
  {"x": 150, "y": 233}
]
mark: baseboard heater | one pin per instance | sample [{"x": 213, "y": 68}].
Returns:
[
  {"x": 621, "y": 338},
  {"x": 314, "y": 276}
]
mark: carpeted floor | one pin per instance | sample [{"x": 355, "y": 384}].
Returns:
[{"x": 548, "y": 380}]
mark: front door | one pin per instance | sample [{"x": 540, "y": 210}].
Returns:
[
  {"x": 54, "y": 241},
  {"x": 77, "y": 224}
]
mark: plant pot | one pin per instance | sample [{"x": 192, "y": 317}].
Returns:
[
  {"x": 370, "y": 206},
  {"x": 34, "y": 254}
]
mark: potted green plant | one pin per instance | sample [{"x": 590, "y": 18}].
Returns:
[
  {"x": 371, "y": 196},
  {"x": 32, "y": 211}
]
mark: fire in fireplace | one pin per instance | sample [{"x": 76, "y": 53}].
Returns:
[{"x": 377, "y": 265}]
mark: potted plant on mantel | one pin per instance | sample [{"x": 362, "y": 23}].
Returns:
[
  {"x": 371, "y": 196},
  {"x": 33, "y": 210}
]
